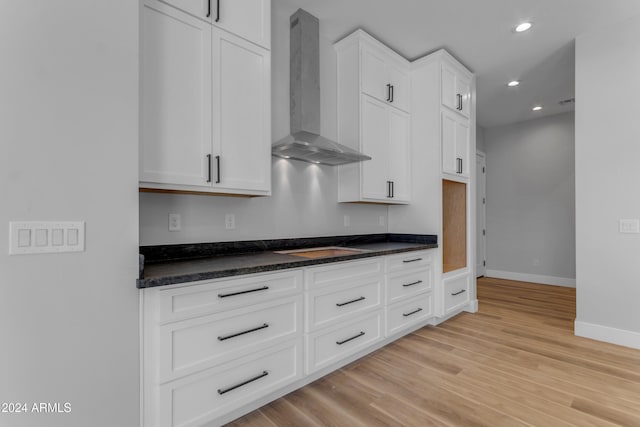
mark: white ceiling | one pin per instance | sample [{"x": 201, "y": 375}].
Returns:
[{"x": 480, "y": 34}]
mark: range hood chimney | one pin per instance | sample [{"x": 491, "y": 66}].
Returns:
[{"x": 305, "y": 142}]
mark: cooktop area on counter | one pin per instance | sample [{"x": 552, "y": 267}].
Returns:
[{"x": 172, "y": 264}]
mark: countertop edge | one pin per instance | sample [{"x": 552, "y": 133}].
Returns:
[{"x": 195, "y": 277}]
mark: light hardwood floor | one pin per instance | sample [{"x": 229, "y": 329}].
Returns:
[{"x": 516, "y": 362}]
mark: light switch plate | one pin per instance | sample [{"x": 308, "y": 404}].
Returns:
[
  {"x": 38, "y": 237},
  {"x": 629, "y": 226}
]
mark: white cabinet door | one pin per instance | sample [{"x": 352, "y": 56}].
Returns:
[
  {"x": 176, "y": 97},
  {"x": 399, "y": 155},
  {"x": 456, "y": 90},
  {"x": 400, "y": 91},
  {"x": 199, "y": 8},
  {"x": 375, "y": 79},
  {"x": 375, "y": 133},
  {"x": 455, "y": 144},
  {"x": 242, "y": 123},
  {"x": 250, "y": 19}
]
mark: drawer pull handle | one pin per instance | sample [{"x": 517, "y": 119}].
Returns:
[
  {"x": 248, "y": 331},
  {"x": 413, "y": 312},
  {"x": 250, "y": 380},
  {"x": 459, "y": 292},
  {"x": 412, "y": 260},
  {"x": 233, "y": 294},
  {"x": 349, "y": 339},
  {"x": 406, "y": 285},
  {"x": 341, "y": 304}
]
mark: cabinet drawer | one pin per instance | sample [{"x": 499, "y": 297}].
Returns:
[
  {"x": 403, "y": 285},
  {"x": 343, "y": 272},
  {"x": 408, "y": 260},
  {"x": 212, "y": 297},
  {"x": 195, "y": 400},
  {"x": 408, "y": 313},
  {"x": 192, "y": 345},
  {"x": 456, "y": 292},
  {"x": 337, "y": 342},
  {"x": 333, "y": 303}
]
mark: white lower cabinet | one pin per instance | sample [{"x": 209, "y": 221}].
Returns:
[
  {"x": 330, "y": 345},
  {"x": 410, "y": 312},
  {"x": 456, "y": 291},
  {"x": 214, "y": 350},
  {"x": 198, "y": 399}
]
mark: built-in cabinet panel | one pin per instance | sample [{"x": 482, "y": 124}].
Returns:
[
  {"x": 249, "y": 19},
  {"x": 206, "y": 106},
  {"x": 176, "y": 97},
  {"x": 454, "y": 225},
  {"x": 455, "y": 90},
  {"x": 374, "y": 119},
  {"x": 455, "y": 144}
]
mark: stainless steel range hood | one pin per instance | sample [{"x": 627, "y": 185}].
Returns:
[{"x": 305, "y": 142}]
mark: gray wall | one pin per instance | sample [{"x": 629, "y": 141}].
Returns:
[
  {"x": 480, "y": 145},
  {"x": 304, "y": 201},
  {"x": 607, "y": 172},
  {"x": 531, "y": 199},
  {"x": 68, "y": 138}
]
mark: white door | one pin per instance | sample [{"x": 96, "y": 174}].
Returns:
[
  {"x": 463, "y": 88},
  {"x": 375, "y": 134},
  {"x": 375, "y": 76},
  {"x": 199, "y": 8},
  {"x": 481, "y": 222},
  {"x": 176, "y": 97},
  {"x": 250, "y": 19},
  {"x": 399, "y": 80},
  {"x": 242, "y": 121},
  {"x": 399, "y": 157},
  {"x": 462, "y": 147},
  {"x": 448, "y": 82}
]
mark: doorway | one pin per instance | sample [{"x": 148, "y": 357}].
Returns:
[{"x": 481, "y": 221}]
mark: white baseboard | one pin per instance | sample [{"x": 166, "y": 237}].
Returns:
[
  {"x": 607, "y": 334},
  {"x": 533, "y": 278},
  {"x": 472, "y": 306}
]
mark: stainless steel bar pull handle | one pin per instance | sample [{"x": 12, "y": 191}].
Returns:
[
  {"x": 248, "y": 331},
  {"x": 218, "y": 169},
  {"x": 459, "y": 292},
  {"x": 350, "y": 339},
  {"x": 412, "y": 312},
  {"x": 406, "y": 285},
  {"x": 412, "y": 260},
  {"x": 250, "y": 380},
  {"x": 388, "y": 92},
  {"x": 217, "y": 10},
  {"x": 342, "y": 304},
  {"x": 208, "y": 167},
  {"x": 208, "y": 8},
  {"x": 233, "y": 294}
]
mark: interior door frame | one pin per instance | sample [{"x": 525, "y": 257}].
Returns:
[{"x": 481, "y": 193}]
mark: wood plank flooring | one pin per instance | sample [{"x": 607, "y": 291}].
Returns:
[{"x": 514, "y": 363}]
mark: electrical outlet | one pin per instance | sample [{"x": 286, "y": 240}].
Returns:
[
  {"x": 230, "y": 221},
  {"x": 381, "y": 221},
  {"x": 175, "y": 222},
  {"x": 347, "y": 221}
]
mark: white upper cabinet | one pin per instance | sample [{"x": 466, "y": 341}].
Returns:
[
  {"x": 249, "y": 19},
  {"x": 384, "y": 78},
  {"x": 206, "y": 95},
  {"x": 373, "y": 104},
  {"x": 456, "y": 90},
  {"x": 455, "y": 144},
  {"x": 176, "y": 97}
]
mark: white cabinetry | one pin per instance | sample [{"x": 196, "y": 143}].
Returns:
[
  {"x": 373, "y": 117},
  {"x": 201, "y": 86},
  {"x": 455, "y": 144},
  {"x": 249, "y": 19},
  {"x": 456, "y": 89},
  {"x": 212, "y": 347}
]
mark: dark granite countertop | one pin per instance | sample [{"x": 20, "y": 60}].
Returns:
[{"x": 173, "y": 264}]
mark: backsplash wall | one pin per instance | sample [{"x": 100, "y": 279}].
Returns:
[{"x": 304, "y": 196}]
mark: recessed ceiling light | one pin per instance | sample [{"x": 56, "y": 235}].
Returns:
[
  {"x": 537, "y": 108},
  {"x": 513, "y": 83},
  {"x": 523, "y": 27}
]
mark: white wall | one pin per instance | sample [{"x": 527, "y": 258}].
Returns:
[
  {"x": 304, "y": 201},
  {"x": 531, "y": 199},
  {"x": 480, "y": 146},
  {"x": 68, "y": 137},
  {"x": 607, "y": 174}
]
